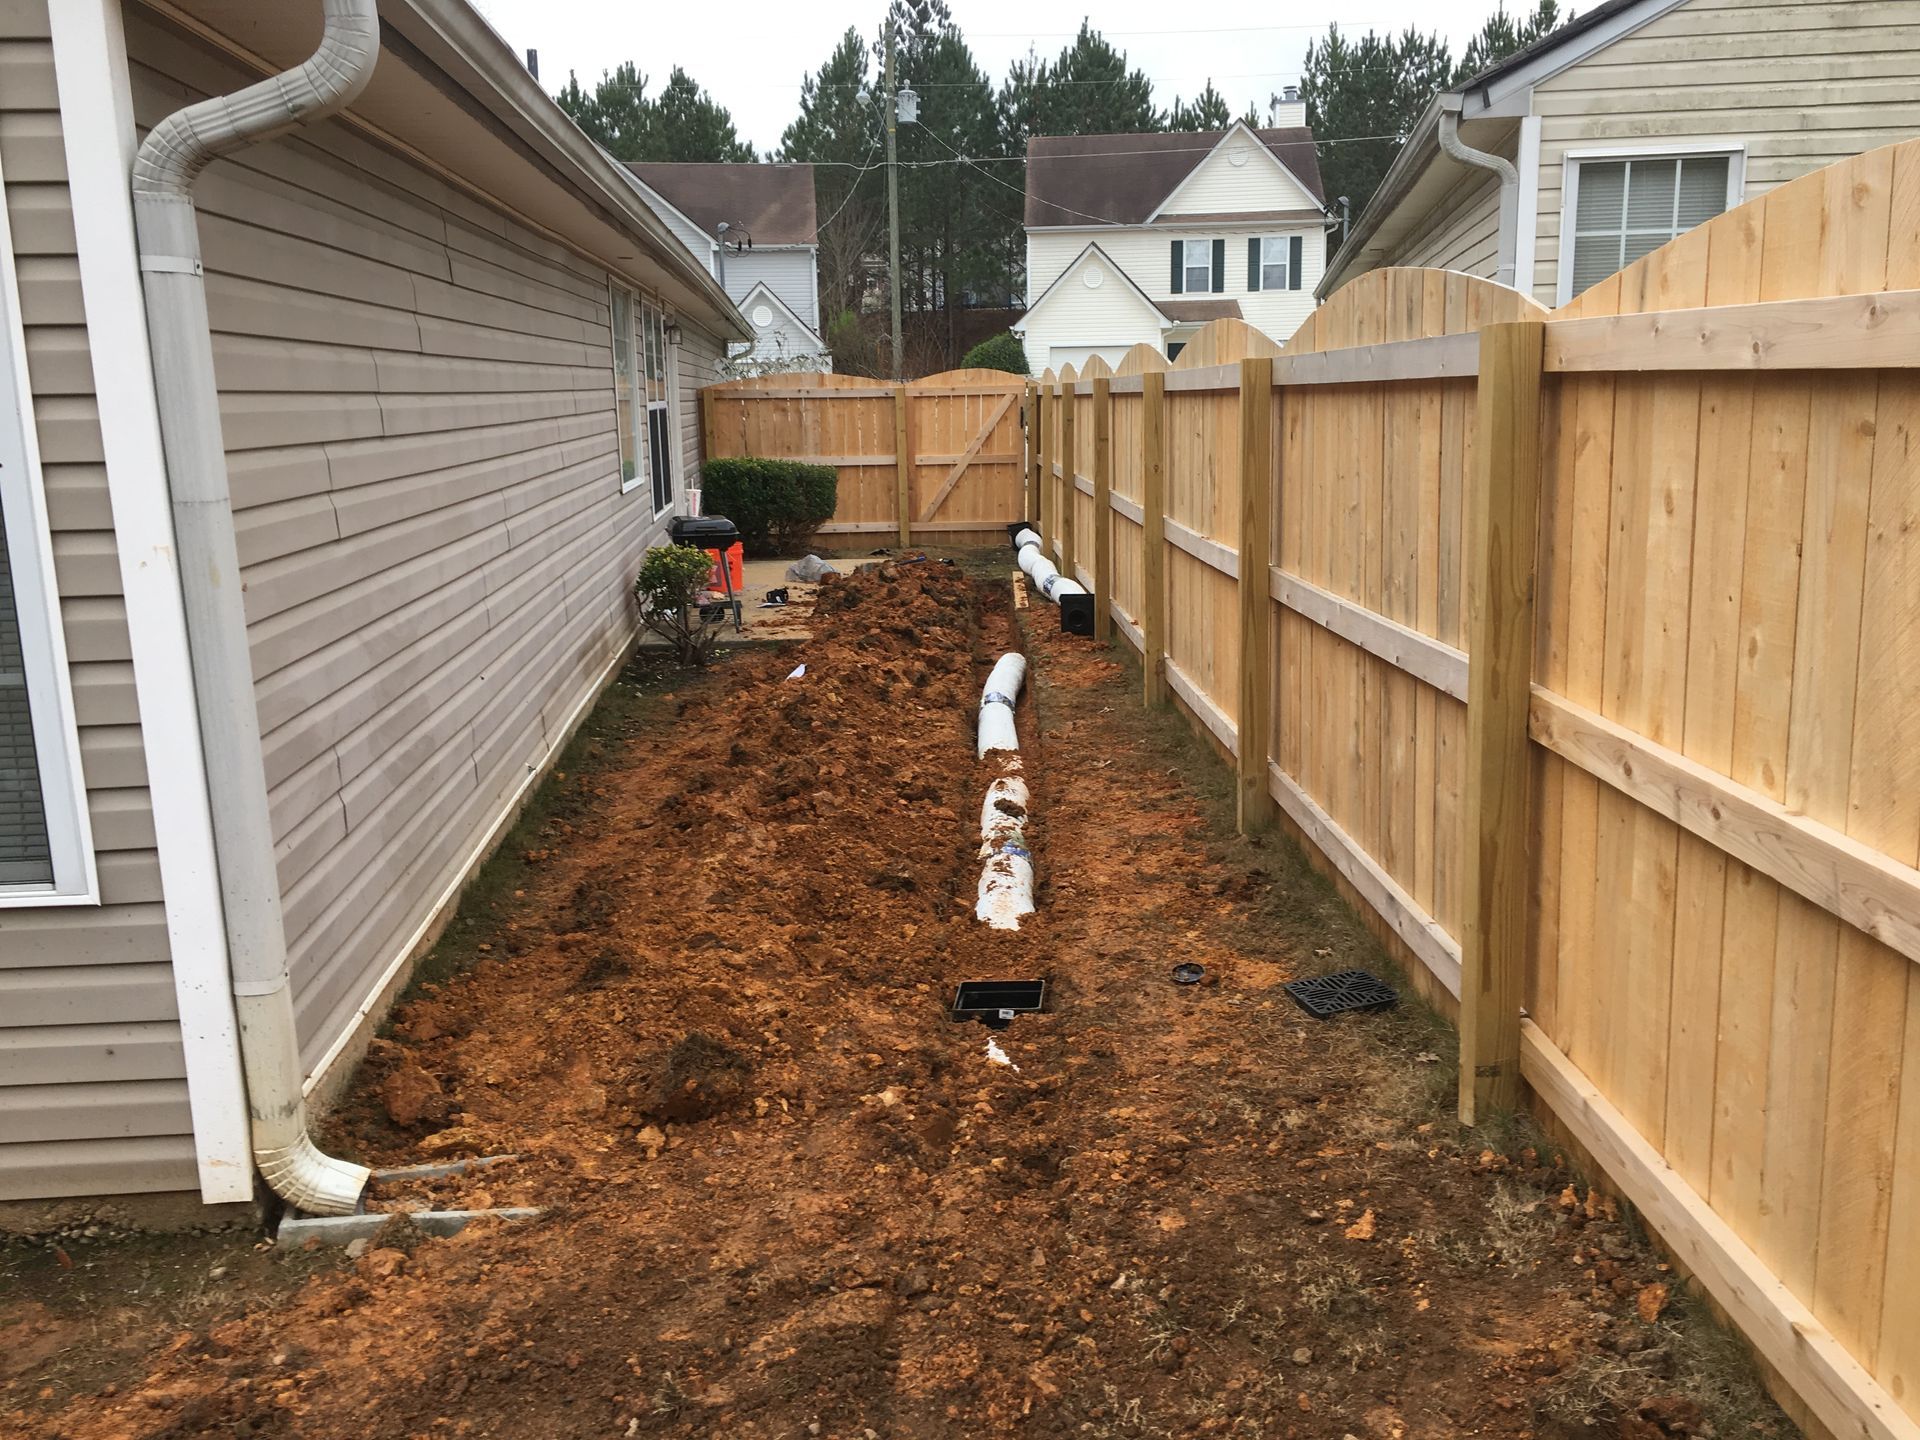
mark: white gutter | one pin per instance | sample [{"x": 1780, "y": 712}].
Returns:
[
  {"x": 1452, "y": 145},
  {"x": 168, "y": 235}
]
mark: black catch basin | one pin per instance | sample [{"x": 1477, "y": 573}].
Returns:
[
  {"x": 995, "y": 1002},
  {"x": 1076, "y": 614}
]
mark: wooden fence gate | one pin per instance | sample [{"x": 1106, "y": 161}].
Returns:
[{"x": 938, "y": 459}]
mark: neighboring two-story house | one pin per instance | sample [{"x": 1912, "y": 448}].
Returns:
[
  {"x": 1630, "y": 125},
  {"x": 1134, "y": 238},
  {"x": 767, "y": 256}
]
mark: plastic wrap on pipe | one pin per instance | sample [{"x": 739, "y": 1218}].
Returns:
[
  {"x": 1006, "y": 887},
  {"x": 1026, "y": 537},
  {"x": 996, "y": 705},
  {"x": 1046, "y": 576}
]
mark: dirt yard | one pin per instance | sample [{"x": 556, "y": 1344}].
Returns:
[{"x": 701, "y": 999}]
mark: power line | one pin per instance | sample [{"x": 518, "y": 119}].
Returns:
[{"x": 1082, "y": 154}]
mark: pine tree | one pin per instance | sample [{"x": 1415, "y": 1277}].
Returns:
[
  {"x": 1087, "y": 90},
  {"x": 1363, "y": 96},
  {"x": 616, "y": 116},
  {"x": 840, "y": 136},
  {"x": 687, "y": 124},
  {"x": 1208, "y": 111},
  {"x": 1503, "y": 34}
]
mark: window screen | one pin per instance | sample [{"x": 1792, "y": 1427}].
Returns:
[
  {"x": 1629, "y": 208},
  {"x": 26, "y": 857},
  {"x": 1199, "y": 276}
]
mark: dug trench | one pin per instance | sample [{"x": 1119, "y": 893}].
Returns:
[{"x": 786, "y": 1196}]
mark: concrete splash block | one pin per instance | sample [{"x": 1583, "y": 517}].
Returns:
[{"x": 345, "y": 1229}]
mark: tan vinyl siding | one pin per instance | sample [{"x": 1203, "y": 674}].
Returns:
[
  {"x": 1802, "y": 83},
  {"x": 417, "y": 399},
  {"x": 697, "y": 365},
  {"x": 93, "y": 1097},
  {"x": 1464, "y": 236}
]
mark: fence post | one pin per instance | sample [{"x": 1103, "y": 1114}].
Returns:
[
  {"x": 903, "y": 464},
  {"x": 1254, "y": 807},
  {"x": 1102, "y": 509},
  {"x": 1153, "y": 538},
  {"x": 709, "y": 436},
  {"x": 1048, "y": 520},
  {"x": 1502, "y": 517},
  {"x": 1031, "y": 510},
  {"x": 1068, "y": 488}
]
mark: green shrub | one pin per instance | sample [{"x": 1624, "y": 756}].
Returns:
[
  {"x": 777, "y": 504},
  {"x": 998, "y": 352},
  {"x": 668, "y": 591}
]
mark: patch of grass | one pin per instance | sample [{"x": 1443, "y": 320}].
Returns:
[
  {"x": 1329, "y": 1287},
  {"x": 1520, "y": 1225}
]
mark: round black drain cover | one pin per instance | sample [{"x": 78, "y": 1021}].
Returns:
[{"x": 1188, "y": 973}]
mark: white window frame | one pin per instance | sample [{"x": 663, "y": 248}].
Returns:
[
  {"x": 617, "y": 292},
  {"x": 56, "y": 731},
  {"x": 1284, "y": 243},
  {"x": 1570, "y": 162},
  {"x": 1187, "y": 266},
  {"x": 658, "y": 313}
]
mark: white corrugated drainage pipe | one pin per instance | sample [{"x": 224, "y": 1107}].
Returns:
[
  {"x": 1044, "y": 574},
  {"x": 174, "y": 153},
  {"x": 1006, "y": 878}
]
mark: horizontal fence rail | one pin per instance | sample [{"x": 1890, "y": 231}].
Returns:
[{"x": 1579, "y": 648}]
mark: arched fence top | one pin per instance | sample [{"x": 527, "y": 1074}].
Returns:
[
  {"x": 974, "y": 376},
  {"x": 800, "y": 380},
  {"x": 1096, "y": 368},
  {"x": 1403, "y": 303},
  {"x": 1142, "y": 359},
  {"x": 1223, "y": 342}
]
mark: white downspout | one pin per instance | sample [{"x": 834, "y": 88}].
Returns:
[
  {"x": 1452, "y": 144},
  {"x": 176, "y": 151}
]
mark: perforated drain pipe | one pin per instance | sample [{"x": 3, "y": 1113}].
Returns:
[
  {"x": 1044, "y": 574},
  {"x": 1006, "y": 879}
]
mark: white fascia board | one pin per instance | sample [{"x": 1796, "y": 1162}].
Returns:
[{"x": 96, "y": 105}]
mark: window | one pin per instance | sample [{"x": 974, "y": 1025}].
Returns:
[
  {"x": 1621, "y": 209},
  {"x": 626, "y": 390},
  {"x": 659, "y": 424},
  {"x": 45, "y": 848},
  {"x": 642, "y": 392},
  {"x": 1273, "y": 262},
  {"x": 1199, "y": 266}
]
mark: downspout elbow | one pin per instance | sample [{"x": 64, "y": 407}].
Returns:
[
  {"x": 1453, "y": 146},
  {"x": 188, "y": 396}
]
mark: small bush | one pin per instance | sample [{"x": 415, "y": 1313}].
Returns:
[
  {"x": 776, "y": 504},
  {"x": 998, "y": 352},
  {"x": 668, "y": 591}
]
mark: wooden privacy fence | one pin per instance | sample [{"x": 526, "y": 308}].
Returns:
[
  {"x": 1584, "y": 650},
  {"x": 933, "y": 459}
]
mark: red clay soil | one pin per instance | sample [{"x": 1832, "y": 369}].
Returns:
[{"x": 786, "y": 1196}]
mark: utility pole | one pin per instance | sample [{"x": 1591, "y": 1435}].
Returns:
[{"x": 893, "y": 214}]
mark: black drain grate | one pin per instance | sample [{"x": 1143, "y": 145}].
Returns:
[
  {"x": 995, "y": 1002},
  {"x": 1326, "y": 995}
]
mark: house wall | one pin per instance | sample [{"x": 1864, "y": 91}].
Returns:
[
  {"x": 781, "y": 337},
  {"x": 1803, "y": 83},
  {"x": 793, "y": 275},
  {"x": 684, "y": 229},
  {"x": 1145, "y": 253},
  {"x": 93, "y": 1095},
  {"x": 1075, "y": 321},
  {"x": 1463, "y": 235},
  {"x": 416, "y": 394}
]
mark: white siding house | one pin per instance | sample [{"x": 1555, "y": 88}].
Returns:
[
  {"x": 1144, "y": 238},
  {"x": 1632, "y": 123},
  {"x": 767, "y": 256}
]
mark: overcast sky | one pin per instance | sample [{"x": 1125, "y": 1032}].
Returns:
[{"x": 753, "y": 54}]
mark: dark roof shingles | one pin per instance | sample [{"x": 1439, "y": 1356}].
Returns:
[{"x": 772, "y": 203}]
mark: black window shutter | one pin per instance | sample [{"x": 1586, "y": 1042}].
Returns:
[
  {"x": 1294, "y": 247},
  {"x": 1219, "y": 266},
  {"x": 1179, "y": 268},
  {"x": 1253, "y": 264}
]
